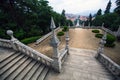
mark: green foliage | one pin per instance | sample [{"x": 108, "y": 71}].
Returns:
[
  {"x": 99, "y": 35},
  {"x": 108, "y": 7},
  {"x": 27, "y": 17},
  {"x": 99, "y": 12},
  {"x": 110, "y": 40},
  {"x": 111, "y": 21},
  {"x": 65, "y": 28},
  {"x": 95, "y": 31},
  {"x": 61, "y": 33},
  {"x": 90, "y": 19},
  {"x": 30, "y": 40},
  {"x": 98, "y": 20},
  {"x": 117, "y": 9}
]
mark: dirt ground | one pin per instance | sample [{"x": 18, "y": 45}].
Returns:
[{"x": 79, "y": 38}]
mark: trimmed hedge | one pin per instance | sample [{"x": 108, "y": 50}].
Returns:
[
  {"x": 99, "y": 35},
  {"x": 95, "y": 31},
  {"x": 61, "y": 33},
  {"x": 110, "y": 40},
  {"x": 65, "y": 28},
  {"x": 30, "y": 40}
]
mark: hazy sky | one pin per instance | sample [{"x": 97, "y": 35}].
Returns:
[{"x": 82, "y": 7}]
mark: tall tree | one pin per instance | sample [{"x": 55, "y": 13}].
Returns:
[
  {"x": 90, "y": 19},
  {"x": 108, "y": 7},
  {"x": 99, "y": 12},
  {"x": 117, "y": 9},
  {"x": 63, "y": 18}
]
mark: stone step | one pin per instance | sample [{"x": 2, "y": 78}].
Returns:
[
  {"x": 13, "y": 68},
  {"x": 8, "y": 66},
  {"x": 25, "y": 70},
  {"x": 38, "y": 72},
  {"x": 31, "y": 72},
  {"x": 43, "y": 74},
  {"x": 9, "y": 59},
  {"x": 4, "y": 57},
  {"x": 18, "y": 69}
]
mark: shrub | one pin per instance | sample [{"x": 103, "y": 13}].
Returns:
[
  {"x": 30, "y": 40},
  {"x": 99, "y": 35},
  {"x": 110, "y": 40},
  {"x": 65, "y": 28},
  {"x": 95, "y": 31},
  {"x": 61, "y": 33}
]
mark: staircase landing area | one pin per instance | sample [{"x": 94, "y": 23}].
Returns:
[{"x": 81, "y": 64}]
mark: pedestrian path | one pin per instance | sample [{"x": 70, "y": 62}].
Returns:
[{"x": 81, "y": 64}]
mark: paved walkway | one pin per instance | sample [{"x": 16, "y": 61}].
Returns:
[
  {"x": 81, "y": 65},
  {"x": 82, "y": 39}
]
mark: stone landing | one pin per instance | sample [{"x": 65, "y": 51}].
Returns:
[{"x": 81, "y": 64}]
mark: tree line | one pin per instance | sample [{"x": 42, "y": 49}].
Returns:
[
  {"x": 28, "y": 18},
  {"x": 111, "y": 20}
]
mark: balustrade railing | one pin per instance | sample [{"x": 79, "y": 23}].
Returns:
[
  {"x": 46, "y": 36},
  {"x": 109, "y": 64},
  {"x": 5, "y": 43},
  {"x": 106, "y": 61},
  {"x": 33, "y": 53}
]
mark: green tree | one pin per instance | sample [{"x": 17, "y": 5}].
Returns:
[
  {"x": 108, "y": 7},
  {"x": 63, "y": 18},
  {"x": 117, "y": 9},
  {"x": 90, "y": 19},
  {"x": 99, "y": 12}
]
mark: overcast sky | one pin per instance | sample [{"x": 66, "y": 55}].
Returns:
[{"x": 82, "y": 7}]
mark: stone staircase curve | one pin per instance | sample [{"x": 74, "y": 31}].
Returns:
[{"x": 18, "y": 66}]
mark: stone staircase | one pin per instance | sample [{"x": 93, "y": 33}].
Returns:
[
  {"x": 80, "y": 65},
  {"x": 17, "y": 66}
]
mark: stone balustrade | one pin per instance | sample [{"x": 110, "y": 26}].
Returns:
[
  {"x": 33, "y": 53},
  {"x": 26, "y": 50},
  {"x": 58, "y": 56},
  {"x": 109, "y": 31},
  {"x": 106, "y": 61},
  {"x": 5, "y": 43},
  {"x": 109, "y": 64},
  {"x": 63, "y": 56},
  {"x": 45, "y": 36}
]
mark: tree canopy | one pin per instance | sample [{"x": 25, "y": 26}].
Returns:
[
  {"x": 27, "y": 18},
  {"x": 117, "y": 9},
  {"x": 108, "y": 7}
]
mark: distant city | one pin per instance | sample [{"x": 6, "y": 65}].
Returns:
[{"x": 73, "y": 17}]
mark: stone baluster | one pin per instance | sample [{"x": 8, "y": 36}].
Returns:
[
  {"x": 13, "y": 39},
  {"x": 55, "y": 43},
  {"x": 67, "y": 42}
]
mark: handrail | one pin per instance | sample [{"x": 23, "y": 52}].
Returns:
[
  {"x": 5, "y": 43},
  {"x": 26, "y": 50},
  {"x": 110, "y": 65},
  {"x": 62, "y": 54},
  {"x": 33, "y": 53},
  {"x": 45, "y": 36}
]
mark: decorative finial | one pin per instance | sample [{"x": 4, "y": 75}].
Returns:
[
  {"x": 52, "y": 24},
  {"x": 10, "y": 33}
]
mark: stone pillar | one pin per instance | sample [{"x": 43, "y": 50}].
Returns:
[
  {"x": 55, "y": 43},
  {"x": 118, "y": 32},
  {"x": 67, "y": 42},
  {"x": 13, "y": 39},
  {"x": 102, "y": 25},
  {"x": 101, "y": 47},
  {"x": 89, "y": 25},
  {"x": 83, "y": 24}
]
